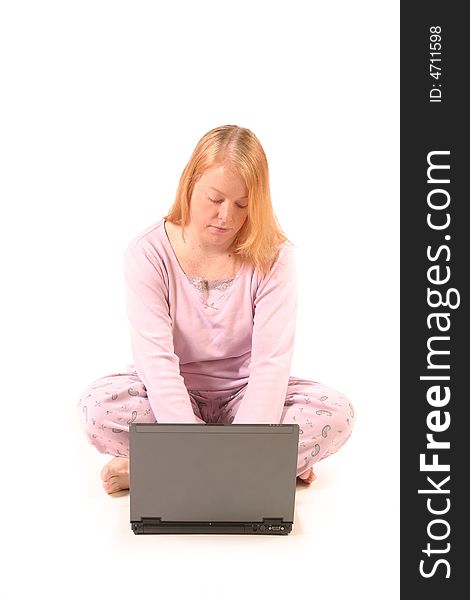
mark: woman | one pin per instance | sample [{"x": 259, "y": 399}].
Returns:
[{"x": 211, "y": 300}]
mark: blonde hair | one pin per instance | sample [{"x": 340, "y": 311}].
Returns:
[{"x": 259, "y": 240}]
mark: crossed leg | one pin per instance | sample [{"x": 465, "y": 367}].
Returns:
[{"x": 110, "y": 404}]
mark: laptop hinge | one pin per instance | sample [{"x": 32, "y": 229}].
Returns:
[
  {"x": 274, "y": 524},
  {"x": 268, "y": 525},
  {"x": 144, "y": 523}
]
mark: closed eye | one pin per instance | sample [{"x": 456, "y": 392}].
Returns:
[{"x": 220, "y": 202}]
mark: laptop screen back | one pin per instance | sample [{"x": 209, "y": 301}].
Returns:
[{"x": 192, "y": 472}]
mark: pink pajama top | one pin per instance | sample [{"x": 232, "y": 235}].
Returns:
[{"x": 193, "y": 334}]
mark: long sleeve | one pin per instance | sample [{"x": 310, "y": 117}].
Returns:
[
  {"x": 152, "y": 340},
  {"x": 275, "y": 310}
]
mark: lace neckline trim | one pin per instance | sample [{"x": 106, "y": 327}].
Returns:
[{"x": 213, "y": 284}]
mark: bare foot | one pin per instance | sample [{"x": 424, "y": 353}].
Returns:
[
  {"x": 307, "y": 477},
  {"x": 115, "y": 475}
]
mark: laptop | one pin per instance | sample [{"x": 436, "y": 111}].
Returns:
[{"x": 212, "y": 478}]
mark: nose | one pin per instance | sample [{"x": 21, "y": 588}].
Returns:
[{"x": 225, "y": 213}]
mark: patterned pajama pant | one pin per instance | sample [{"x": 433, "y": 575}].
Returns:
[{"x": 110, "y": 404}]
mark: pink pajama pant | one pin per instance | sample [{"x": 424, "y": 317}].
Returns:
[{"x": 110, "y": 404}]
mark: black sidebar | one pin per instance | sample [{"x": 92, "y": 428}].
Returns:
[{"x": 435, "y": 335}]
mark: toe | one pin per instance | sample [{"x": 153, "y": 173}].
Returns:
[
  {"x": 307, "y": 477},
  {"x": 105, "y": 473},
  {"x": 110, "y": 487},
  {"x": 115, "y": 475}
]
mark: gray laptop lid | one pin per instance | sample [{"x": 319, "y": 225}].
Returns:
[{"x": 200, "y": 473}]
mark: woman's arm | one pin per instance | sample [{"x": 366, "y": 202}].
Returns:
[
  {"x": 275, "y": 310},
  {"x": 152, "y": 340}
]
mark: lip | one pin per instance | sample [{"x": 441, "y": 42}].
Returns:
[{"x": 219, "y": 229}]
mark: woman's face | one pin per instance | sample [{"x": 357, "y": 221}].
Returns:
[{"x": 219, "y": 206}]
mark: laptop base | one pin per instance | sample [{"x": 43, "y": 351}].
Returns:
[{"x": 266, "y": 527}]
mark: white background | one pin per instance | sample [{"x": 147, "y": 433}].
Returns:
[{"x": 102, "y": 104}]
